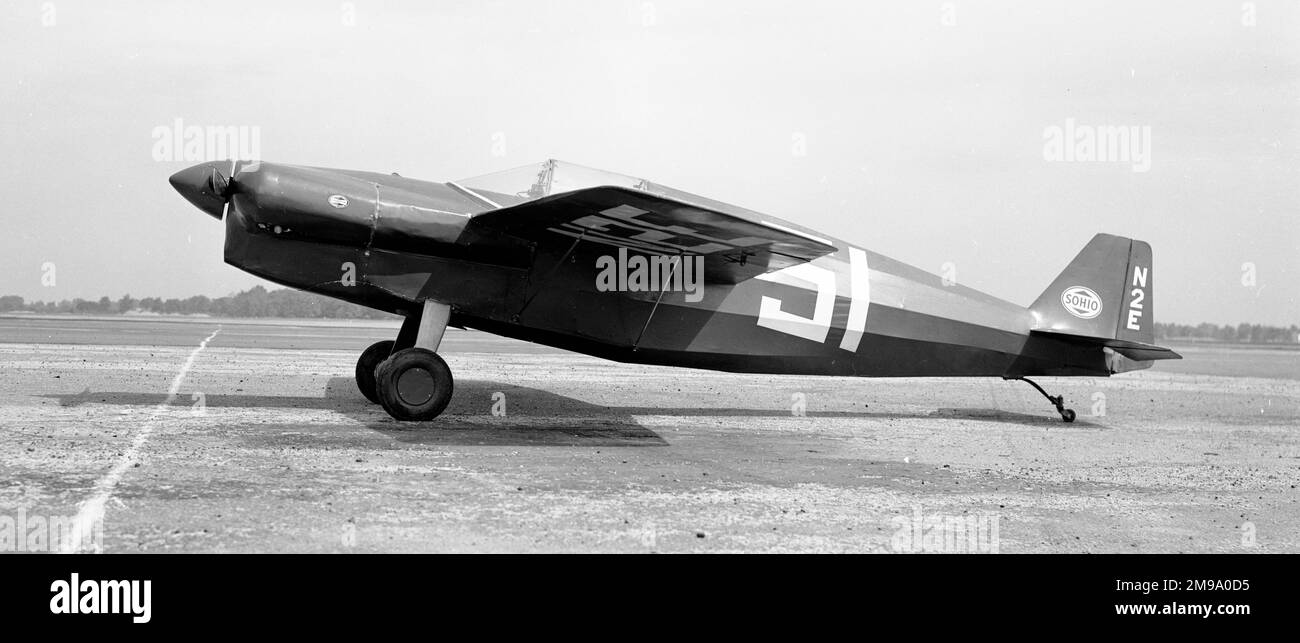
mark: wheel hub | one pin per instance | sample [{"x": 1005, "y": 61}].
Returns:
[{"x": 416, "y": 386}]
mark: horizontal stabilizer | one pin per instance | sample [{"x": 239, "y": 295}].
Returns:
[{"x": 1136, "y": 351}]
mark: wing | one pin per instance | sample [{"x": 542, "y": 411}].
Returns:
[{"x": 736, "y": 244}]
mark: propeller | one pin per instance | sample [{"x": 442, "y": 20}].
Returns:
[{"x": 206, "y": 186}]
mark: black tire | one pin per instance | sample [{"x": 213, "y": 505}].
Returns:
[
  {"x": 414, "y": 385},
  {"x": 1068, "y": 415},
  {"x": 366, "y": 364}
]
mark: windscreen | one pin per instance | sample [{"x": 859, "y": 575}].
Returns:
[{"x": 534, "y": 181}]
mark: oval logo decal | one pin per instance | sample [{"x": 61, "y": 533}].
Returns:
[
  {"x": 1081, "y": 302},
  {"x": 338, "y": 201}
]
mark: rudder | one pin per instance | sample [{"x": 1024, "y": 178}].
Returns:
[{"x": 1136, "y": 317}]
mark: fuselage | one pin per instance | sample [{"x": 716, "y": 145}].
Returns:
[{"x": 390, "y": 242}]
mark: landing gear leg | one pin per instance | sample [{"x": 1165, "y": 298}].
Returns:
[
  {"x": 413, "y": 383},
  {"x": 1057, "y": 400}
]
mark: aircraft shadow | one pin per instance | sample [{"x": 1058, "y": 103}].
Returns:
[
  {"x": 979, "y": 414},
  {"x": 1048, "y": 418},
  {"x": 534, "y": 417}
]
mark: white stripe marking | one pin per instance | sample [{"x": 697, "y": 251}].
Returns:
[
  {"x": 859, "y": 300},
  {"x": 92, "y": 511},
  {"x": 797, "y": 233}
]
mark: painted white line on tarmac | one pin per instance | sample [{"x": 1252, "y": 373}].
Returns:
[{"x": 91, "y": 512}]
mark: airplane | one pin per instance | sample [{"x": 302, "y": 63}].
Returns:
[{"x": 625, "y": 269}]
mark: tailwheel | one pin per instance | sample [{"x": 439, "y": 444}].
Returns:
[
  {"x": 366, "y": 364},
  {"x": 414, "y": 384},
  {"x": 1057, "y": 400}
]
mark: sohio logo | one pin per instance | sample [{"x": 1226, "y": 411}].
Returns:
[{"x": 1081, "y": 302}]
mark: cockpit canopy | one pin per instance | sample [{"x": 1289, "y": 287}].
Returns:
[{"x": 536, "y": 180}]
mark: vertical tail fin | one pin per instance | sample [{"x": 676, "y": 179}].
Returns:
[{"x": 1105, "y": 293}]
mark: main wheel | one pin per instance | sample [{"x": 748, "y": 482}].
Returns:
[
  {"x": 413, "y": 384},
  {"x": 1067, "y": 415},
  {"x": 366, "y": 364}
]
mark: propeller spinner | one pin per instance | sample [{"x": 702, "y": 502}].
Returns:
[{"x": 205, "y": 186}]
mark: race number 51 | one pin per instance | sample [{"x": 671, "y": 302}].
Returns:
[{"x": 816, "y": 328}]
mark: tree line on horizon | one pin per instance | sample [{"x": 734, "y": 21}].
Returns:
[
  {"x": 260, "y": 302},
  {"x": 254, "y": 302}
]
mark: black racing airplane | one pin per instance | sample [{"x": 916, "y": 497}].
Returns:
[{"x": 634, "y": 271}]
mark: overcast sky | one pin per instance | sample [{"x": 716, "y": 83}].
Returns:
[{"x": 915, "y": 129}]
